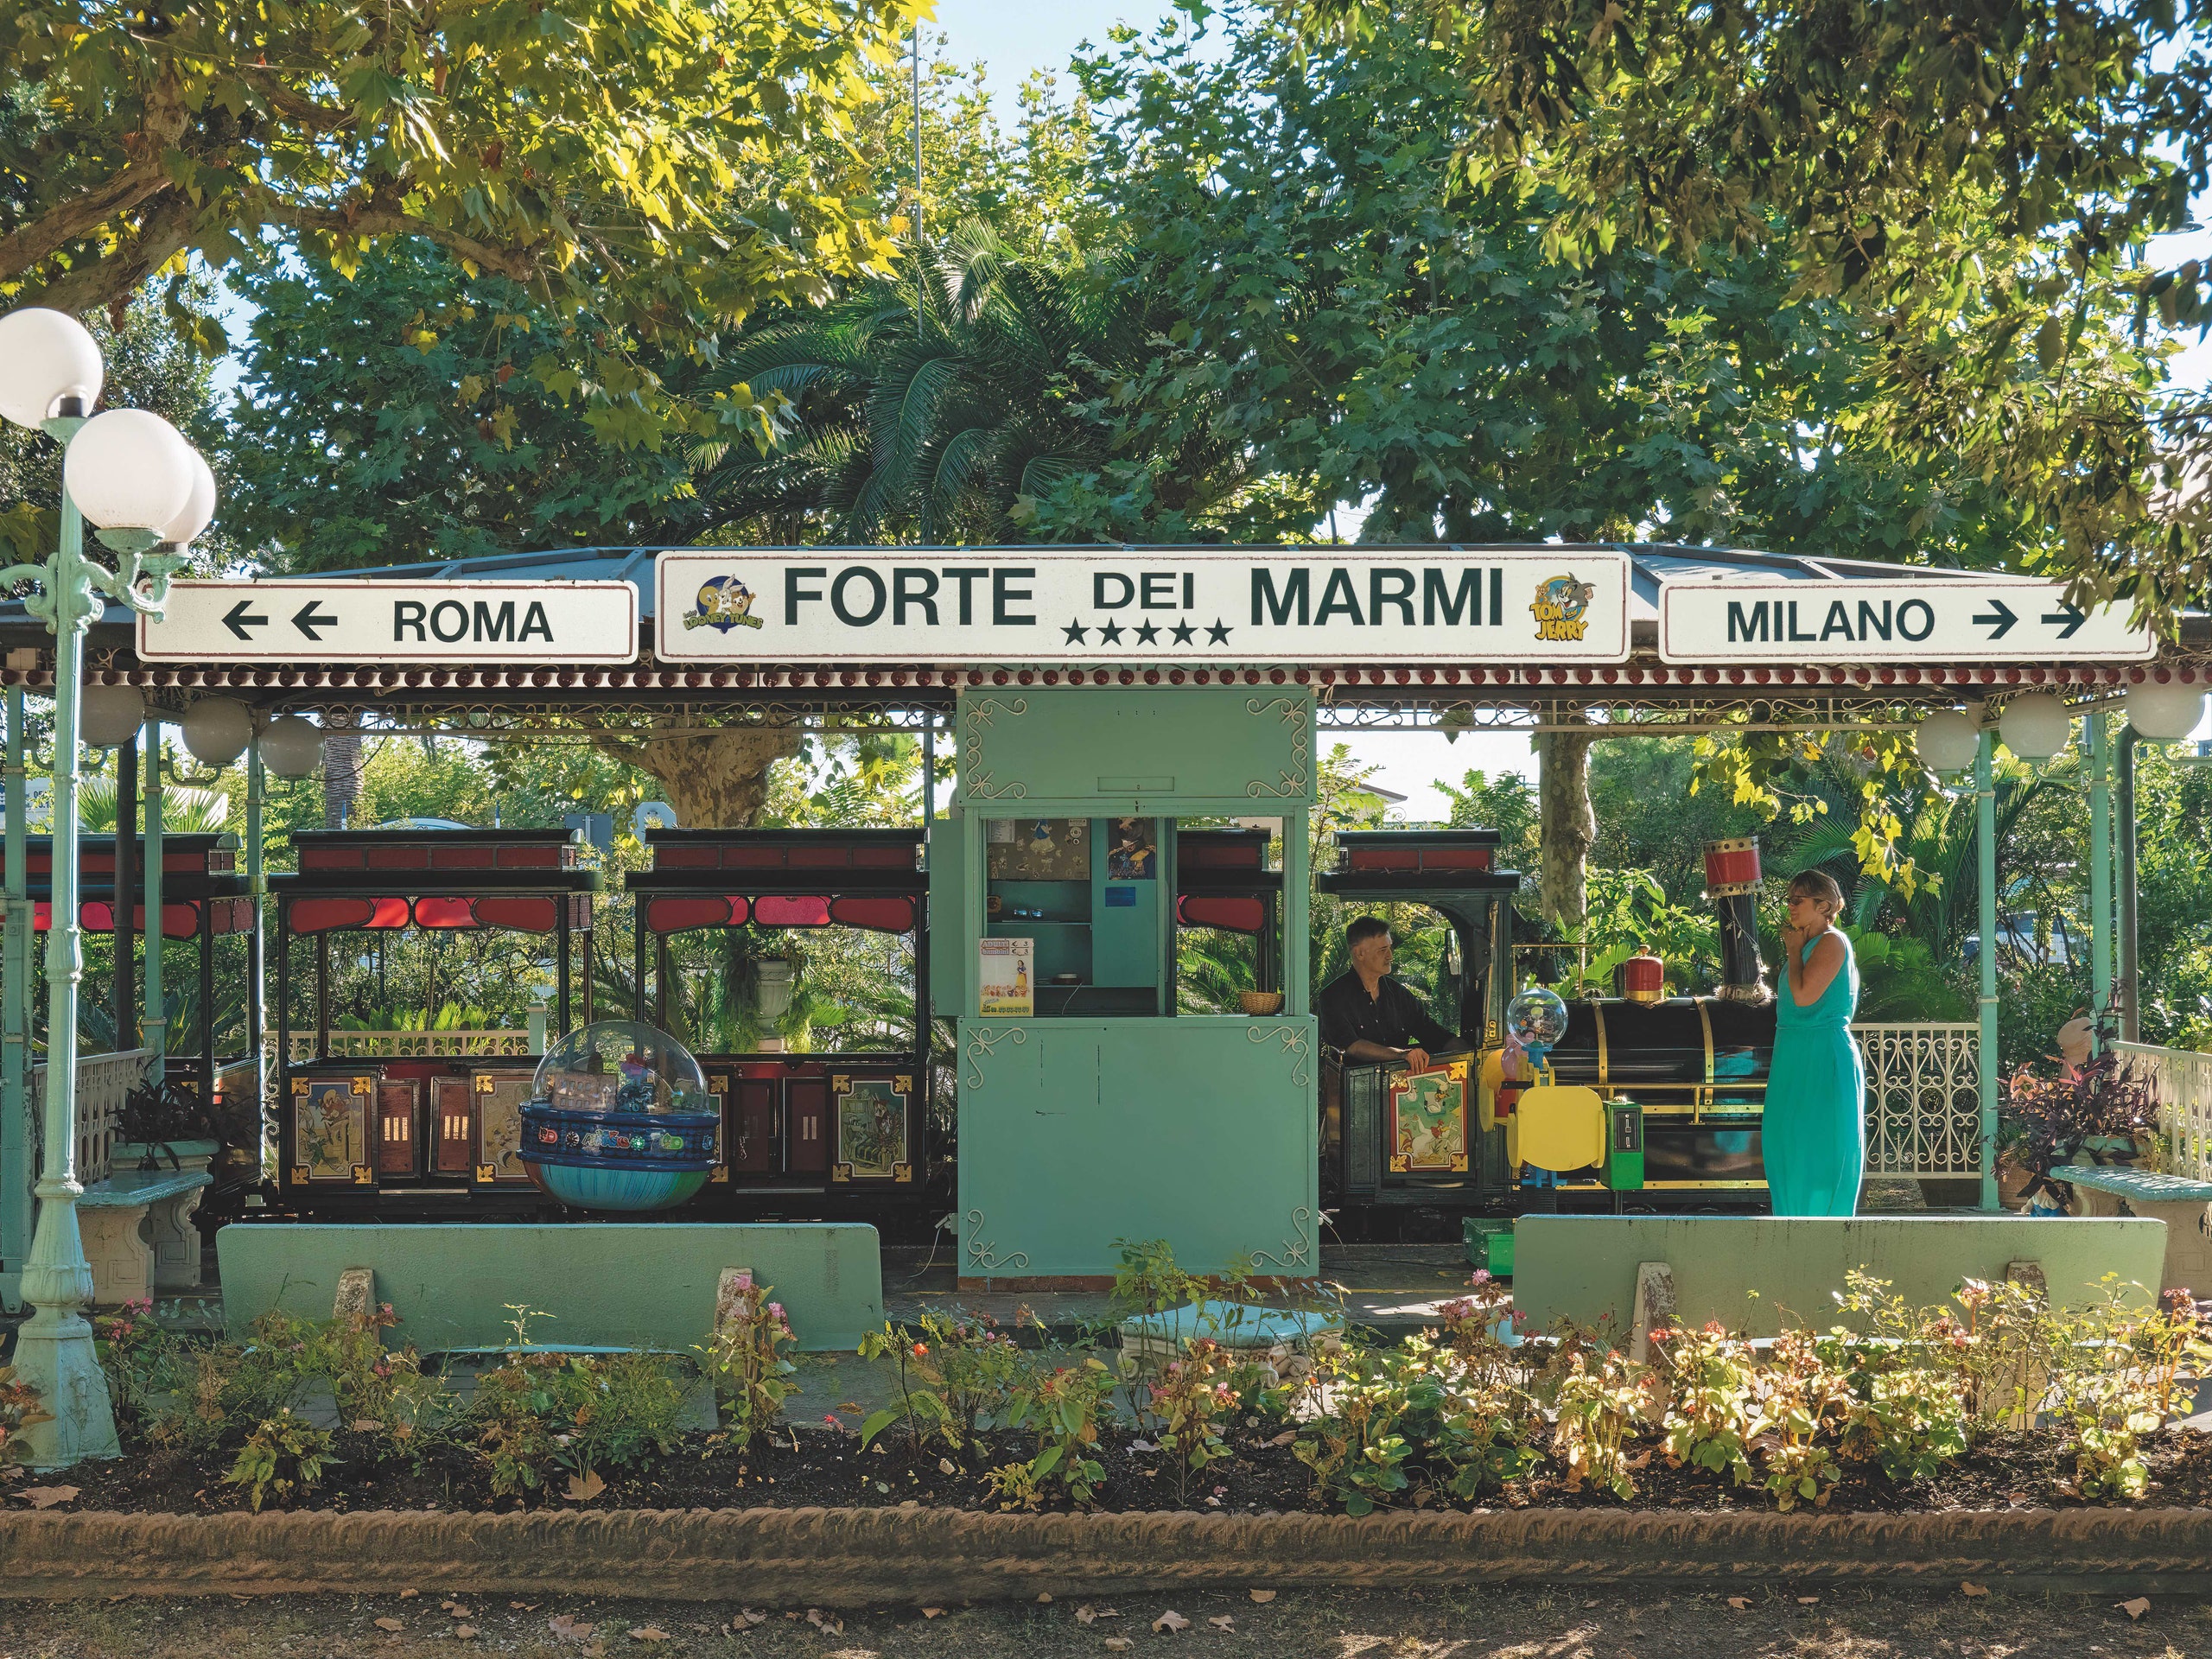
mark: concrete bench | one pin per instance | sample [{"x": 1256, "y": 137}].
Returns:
[
  {"x": 138, "y": 1235},
  {"x": 1758, "y": 1273},
  {"x": 647, "y": 1285},
  {"x": 2180, "y": 1201}
]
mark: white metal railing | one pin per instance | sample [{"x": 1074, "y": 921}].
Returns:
[
  {"x": 2182, "y": 1080},
  {"x": 102, "y": 1081},
  {"x": 412, "y": 1044},
  {"x": 1923, "y": 1098}
]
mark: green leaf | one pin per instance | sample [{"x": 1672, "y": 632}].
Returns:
[{"x": 874, "y": 1424}]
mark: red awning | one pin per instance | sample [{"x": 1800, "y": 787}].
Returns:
[
  {"x": 878, "y": 913},
  {"x": 1236, "y": 915},
  {"x": 518, "y": 913}
]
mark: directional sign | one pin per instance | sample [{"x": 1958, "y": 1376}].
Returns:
[
  {"x": 362, "y": 621},
  {"x": 1911, "y": 619},
  {"x": 1155, "y": 606}
]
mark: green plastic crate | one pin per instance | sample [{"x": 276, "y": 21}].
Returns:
[{"x": 1490, "y": 1244}]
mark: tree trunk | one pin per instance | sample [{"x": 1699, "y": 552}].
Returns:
[
  {"x": 714, "y": 780},
  {"x": 342, "y": 777},
  {"x": 1569, "y": 824}
]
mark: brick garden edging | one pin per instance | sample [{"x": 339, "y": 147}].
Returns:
[{"x": 857, "y": 1558}]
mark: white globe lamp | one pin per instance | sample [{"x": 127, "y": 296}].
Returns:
[
  {"x": 49, "y": 365},
  {"x": 199, "y": 511},
  {"x": 2035, "y": 727},
  {"x": 2165, "y": 714},
  {"x": 292, "y": 746},
  {"x": 1948, "y": 740},
  {"x": 109, "y": 716},
  {"x": 129, "y": 469},
  {"x": 216, "y": 730}
]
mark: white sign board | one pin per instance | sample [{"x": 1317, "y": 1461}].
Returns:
[
  {"x": 1912, "y": 620},
  {"x": 354, "y": 621},
  {"x": 1154, "y": 606}
]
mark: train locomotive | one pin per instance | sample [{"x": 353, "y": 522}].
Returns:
[{"x": 1673, "y": 1087}]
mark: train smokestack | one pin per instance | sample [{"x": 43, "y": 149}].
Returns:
[{"x": 1732, "y": 880}]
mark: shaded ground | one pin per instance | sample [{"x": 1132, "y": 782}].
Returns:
[{"x": 1841, "y": 1624}]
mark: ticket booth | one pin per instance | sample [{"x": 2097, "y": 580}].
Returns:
[{"x": 1091, "y": 1111}]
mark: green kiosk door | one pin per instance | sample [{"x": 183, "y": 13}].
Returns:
[{"x": 1090, "y": 1110}]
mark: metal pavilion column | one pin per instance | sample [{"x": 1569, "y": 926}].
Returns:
[
  {"x": 16, "y": 1213},
  {"x": 256, "y": 1007},
  {"x": 2100, "y": 863},
  {"x": 1984, "y": 839},
  {"x": 156, "y": 1036}
]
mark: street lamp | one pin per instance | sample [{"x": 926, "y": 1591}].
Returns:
[{"x": 132, "y": 475}]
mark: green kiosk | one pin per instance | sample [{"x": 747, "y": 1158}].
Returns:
[{"x": 1091, "y": 1111}]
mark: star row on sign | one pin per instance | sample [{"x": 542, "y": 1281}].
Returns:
[{"x": 1109, "y": 633}]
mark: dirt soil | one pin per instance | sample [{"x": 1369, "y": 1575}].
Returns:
[
  {"x": 1775, "y": 1621},
  {"x": 2020, "y": 1472}
]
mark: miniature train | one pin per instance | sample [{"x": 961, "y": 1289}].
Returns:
[{"x": 839, "y": 1134}]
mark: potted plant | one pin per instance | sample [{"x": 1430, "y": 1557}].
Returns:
[
  {"x": 2096, "y": 1111},
  {"x": 163, "y": 1121}
]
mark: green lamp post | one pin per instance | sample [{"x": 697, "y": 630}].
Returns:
[{"x": 132, "y": 475}]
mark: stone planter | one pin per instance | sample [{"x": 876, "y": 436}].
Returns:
[{"x": 190, "y": 1154}]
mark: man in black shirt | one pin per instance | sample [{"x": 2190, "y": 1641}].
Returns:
[{"x": 1371, "y": 1016}]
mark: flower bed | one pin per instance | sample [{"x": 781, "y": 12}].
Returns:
[{"x": 1991, "y": 1401}]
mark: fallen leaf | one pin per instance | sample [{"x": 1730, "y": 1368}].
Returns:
[
  {"x": 1221, "y": 1621},
  {"x": 391, "y": 1624},
  {"x": 569, "y": 1629},
  {"x": 464, "y": 1631},
  {"x": 2136, "y": 1607},
  {"x": 938, "y": 1612},
  {"x": 752, "y": 1618},
  {"x": 1168, "y": 1621},
  {"x": 1044, "y": 1596},
  {"x": 648, "y": 1633},
  {"x": 1283, "y": 1439},
  {"x": 1802, "y": 1601},
  {"x": 848, "y": 1405},
  {"x": 1739, "y": 1602},
  {"x": 1143, "y": 1446},
  {"x": 45, "y": 1497},
  {"x": 1263, "y": 1595},
  {"x": 524, "y": 1606},
  {"x": 585, "y": 1487},
  {"x": 828, "y": 1624},
  {"x": 1117, "y": 1643},
  {"x": 946, "y": 1466},
  {"x": 1970, "y": 1588},
  {"x": 366, "y": 1424},
  {"x": 409, "y": 1595}
]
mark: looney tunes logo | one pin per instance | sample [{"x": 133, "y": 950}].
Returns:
[{"x": 724, "y": 602}]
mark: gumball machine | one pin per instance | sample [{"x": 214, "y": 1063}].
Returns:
[{"x": 620, "y": 1118}]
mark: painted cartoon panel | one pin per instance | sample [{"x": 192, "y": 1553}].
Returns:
[
  {"x": 330, "y": 1131},
  {"x": 1429, "y": 1119},
  {"x": 871, "y": 1129}
]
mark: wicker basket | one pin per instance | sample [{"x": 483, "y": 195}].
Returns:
[{"x": 1258, "y": 1002}]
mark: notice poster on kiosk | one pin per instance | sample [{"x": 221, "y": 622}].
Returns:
[{"x": 1009, "y": 978}]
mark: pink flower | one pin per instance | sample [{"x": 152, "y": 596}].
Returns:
[
  {"x": 830, "y": 1417},
  {"x": 745, "y": 1278},
  {"x": 1482, "y": 1276},
  {"x": 776, "y": 1310}
]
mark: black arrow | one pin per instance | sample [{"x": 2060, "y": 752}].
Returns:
[
  {"x": 307, "y": 621},
  {"x": 2070, "y": 615},
  {"x": 239, "y": 619},
  {"x": 1998, "y": 619}
]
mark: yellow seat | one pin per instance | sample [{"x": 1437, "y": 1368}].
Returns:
[{"x": 1560, "y": 1126}]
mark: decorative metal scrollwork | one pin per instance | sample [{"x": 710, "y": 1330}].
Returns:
[
  {"x": 981, "y": 1040},
  {"x": 1297, "y": 1250},
  {"x": 1293, "y": 1042},
  {"x": 981, "y": 787},
  {"x": 980, "y": 1253},
  {"x": 1294, "y": 781}
]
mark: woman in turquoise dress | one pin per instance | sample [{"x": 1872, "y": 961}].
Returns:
[{"x": 1813, "y": 1131}]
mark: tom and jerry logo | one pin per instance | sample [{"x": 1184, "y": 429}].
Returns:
[{"x": 1562, "y": 607}]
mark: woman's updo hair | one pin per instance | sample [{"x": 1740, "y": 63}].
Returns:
[{"x": 1818, "y": 887}]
